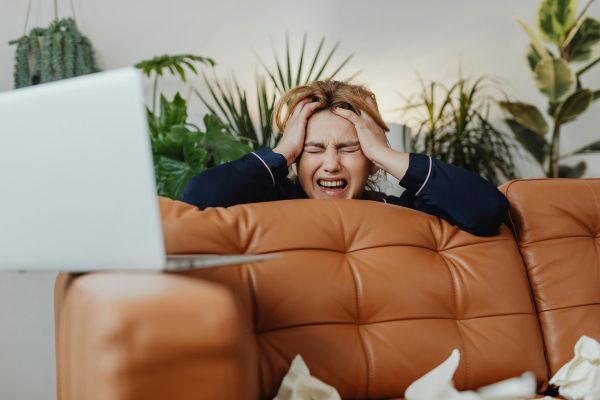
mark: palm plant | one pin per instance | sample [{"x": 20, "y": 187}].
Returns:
[
  {"x": 453, "y": 125},
  {"x": 574, "y": 39},
  {"x": 231, "y": 103}
]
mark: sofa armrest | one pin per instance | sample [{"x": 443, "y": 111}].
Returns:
[{"x": 146, "y": 336}]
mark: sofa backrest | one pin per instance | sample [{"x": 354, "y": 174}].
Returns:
[
  {"x": 371, "y": 295},
  {"x": 557, "y": 226}
]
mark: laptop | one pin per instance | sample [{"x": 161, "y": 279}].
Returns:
[{"x": 78, "y": 191}]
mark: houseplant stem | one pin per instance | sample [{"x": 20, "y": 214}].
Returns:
[{"x": 554, "y": 151}]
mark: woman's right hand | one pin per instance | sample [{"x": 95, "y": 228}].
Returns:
[{"x": 291, "y": 144}]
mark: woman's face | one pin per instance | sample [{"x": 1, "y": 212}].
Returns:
[{"x": 332, "y": 164}]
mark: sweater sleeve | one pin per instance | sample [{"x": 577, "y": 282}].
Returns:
[
  {"x": 459, "y": 196},
  {"x": 250, "y": 179}
]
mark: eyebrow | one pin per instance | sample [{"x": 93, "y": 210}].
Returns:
[{"x": 337, "y": 146}]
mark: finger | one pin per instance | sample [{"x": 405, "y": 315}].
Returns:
[
  {"x": 299, "y": 106},
  {"x": 309, "y": 108},
  {"x": 349, "y": 115}
]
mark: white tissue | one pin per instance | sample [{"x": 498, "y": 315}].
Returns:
[
  {"x": 579, "y": 379},
  {"x": 299, "y": 384},
  {"x": 437, "y": 384}
]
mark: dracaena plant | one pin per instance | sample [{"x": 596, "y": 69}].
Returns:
[
  {"x": 453, "y": 124},
  {"x": 181, "y": 149},
  {"x": 232, "y": 104},
  {"x": 559, "y": 41}
]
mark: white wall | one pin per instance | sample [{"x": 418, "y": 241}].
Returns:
[{"x": 392, "y": 42}]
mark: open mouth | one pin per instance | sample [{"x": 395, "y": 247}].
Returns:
[{"x": 332, "y": 184}]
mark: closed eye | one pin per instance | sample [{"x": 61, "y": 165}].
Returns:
[{"x": 314, "y": 150}]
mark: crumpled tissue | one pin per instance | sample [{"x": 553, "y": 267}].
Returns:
[
  {"x": 579, "y": 379},
  {"x": 299, "y": 384},
  {"x": 437, "y": 384}
]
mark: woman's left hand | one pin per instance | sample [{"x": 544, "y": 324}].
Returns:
[
  {"x": 374, "y": 144},
  {"x": 371, "y": 136}
]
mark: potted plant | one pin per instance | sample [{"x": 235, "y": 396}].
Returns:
[
  {"x": 453, "y": 124},
  {"x": 57, "y": 52},
  {"x": 231, "y": 103},
  {"x": 572, "y": 40},
  {"x": 181, "y": 149}
]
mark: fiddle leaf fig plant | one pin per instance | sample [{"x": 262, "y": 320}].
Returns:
[{"x": 571, "y": 39}]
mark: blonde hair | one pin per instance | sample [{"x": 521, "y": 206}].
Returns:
[{"x": 330, "y": 94}]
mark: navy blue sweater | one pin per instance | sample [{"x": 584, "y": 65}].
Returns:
[{"x": 459, "y": 196}]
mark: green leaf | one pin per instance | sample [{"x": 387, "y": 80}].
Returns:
[
  {"x": 172, "y": 176},
  {"x": 533, "y": 57},
  {"x": 300, "y": 62},
  {"x": 233, "y": 106},
  {"x": 596, "y": 95},
  {"x": 554, "y": 78},
  {"x": 282, "y": 75},
  {"x": 536, "y": 43},
  {"x": 556, "y": 18},
  {"x": 172, "y": 112},
  {"x": 590, "y": 148},
  {"x": 564, "y": 171},
  {"x": 527, "y": 115},
  {"x": 169, "y": 143},
  {"x": 222, "y": 145},
  {"x": 535, "y": 144},
  {"x": 573, "y": 106},
  {"x": 173, "y": 63},
  {"x": 585, "y": 39},
  {"x": 453, "y": 125},
  {"x": 194, "y": 152}
]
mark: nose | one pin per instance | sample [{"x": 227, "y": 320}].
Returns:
[{"x": 331, "y": 162}]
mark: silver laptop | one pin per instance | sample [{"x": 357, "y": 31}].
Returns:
[{"x": 77, "y": 180}]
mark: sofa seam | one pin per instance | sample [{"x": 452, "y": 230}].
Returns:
[
  {"x": 595, "y": 202},
  {"x": 392, "y": 245},
  {"x": 568, "y": 307},
  {"x": 532, "y": 296},
  {"x": 558, "y": 238},
  {"x": 596, "y": 227},
  {"x": 267, "y": 331},
  {"x": 366, "y": 352},
  {"x": 456, "y": 322},
  {"x": 252, "y": 279},
  {"x": 357, "y": 293}
]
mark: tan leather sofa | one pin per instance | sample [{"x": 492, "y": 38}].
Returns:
[{"x": 371, "y": 295}]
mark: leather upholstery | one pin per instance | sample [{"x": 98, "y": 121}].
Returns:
[
  {"x": 557, "y": 225},
  {"x": 146, "y": 336},
  {"x": 371, "y": 295}
]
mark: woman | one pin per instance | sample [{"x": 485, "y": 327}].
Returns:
[{"x": 335, "y": 136}]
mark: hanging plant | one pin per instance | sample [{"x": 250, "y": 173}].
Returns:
[{"x": 57, "y": 52}]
